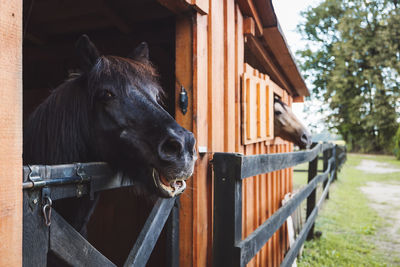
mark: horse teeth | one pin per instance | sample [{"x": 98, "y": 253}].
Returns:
[{"x": 174, "y": 185}]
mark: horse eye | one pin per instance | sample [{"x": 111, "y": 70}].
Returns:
[
  {"x": 278, "y": 112},
  {"x": 107, "y": 95}
]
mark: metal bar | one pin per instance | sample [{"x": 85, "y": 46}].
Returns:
[
  {"x": 227, "y": 209},
  {"x": 258, "y": 164},
  {"x": 65, "y": 182},
  {"x": 256, "y": 240},
  {"x": 147, "y": 239},
  {"x": 294, "y": 250},
  {"x": 67, "y": 244},
  {"x": 55, "y": 181},
  {"x": 312, "y": 172}
]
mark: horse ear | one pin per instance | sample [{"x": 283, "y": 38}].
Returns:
[
  {"x": 141, "y": 52},
  {"x": 87, "y": 53}
]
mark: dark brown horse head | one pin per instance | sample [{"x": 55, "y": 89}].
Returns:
[
  {"x": 288, "y": 127},
  {"x": 111, "y": 112}
]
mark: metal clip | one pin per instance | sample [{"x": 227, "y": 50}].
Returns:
[{"x": 47, "y": 210}]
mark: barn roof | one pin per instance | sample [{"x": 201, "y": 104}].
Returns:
[{"x": 271, "y": 36}]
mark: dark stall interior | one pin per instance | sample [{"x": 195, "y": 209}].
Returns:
[{"x": 51, "y": 28}]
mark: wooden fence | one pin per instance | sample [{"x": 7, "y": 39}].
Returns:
[
  {"x": 229, "y": 249},
  {"x": 44, "y": 230}
]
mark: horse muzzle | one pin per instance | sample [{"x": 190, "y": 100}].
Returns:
[{"x": 168, "y": 188}]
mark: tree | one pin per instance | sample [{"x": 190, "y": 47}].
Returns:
[{"x": 353, "y": 63}]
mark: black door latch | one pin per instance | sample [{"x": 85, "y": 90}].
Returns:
[{"x": 183, "y": 100}]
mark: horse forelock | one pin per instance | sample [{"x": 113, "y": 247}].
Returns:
[
  {"x": 277, "y": 100},
  {"x": 120, "y": 71}
]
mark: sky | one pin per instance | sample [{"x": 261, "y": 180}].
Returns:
[{"x": 288, "y": 14}]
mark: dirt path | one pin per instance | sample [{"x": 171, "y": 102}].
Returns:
[{"x": 385, "y": 199}]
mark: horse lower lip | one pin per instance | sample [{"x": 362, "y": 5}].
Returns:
[{"x": 168, "y": 189}]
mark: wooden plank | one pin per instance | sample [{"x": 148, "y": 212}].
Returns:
[
  {"x": 262, "y": 109},
  {"x": 35, "y": 232},
  {"x": 269, "y": 109},
  {"x": 172, "y": 244},
  {"x": 248, "y": 8},
  {"x": 148, "y": 237},
  {"x": 201, "y": 196},
  {"x": 312, "y": 172},
  {"x": 216, "y": 75},
  {"x": 229, "y": 75},
  {"x": 70, "y": 246},
  {"x": 11, "y": 133},
  {"x": 228, "y": 209},
  {"x": 257, "y": 164},
  {"x": 239, "y": 63},
  {"x": 269, "y": 213},
  {"x": 184, "y": 73}
]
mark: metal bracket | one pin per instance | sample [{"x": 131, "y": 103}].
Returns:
[
  {"x": 45, "y": 194},
  {"x": 80, "y": 172},
  {"x": 34, "y": 176}
]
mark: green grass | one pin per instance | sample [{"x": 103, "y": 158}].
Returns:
[{"x": 350, "y": 227}]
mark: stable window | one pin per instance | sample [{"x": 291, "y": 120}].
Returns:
[{"x": 257, "y": 106}]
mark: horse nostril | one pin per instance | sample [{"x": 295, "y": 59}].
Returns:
[
  {"x": 304, "y": 138},
  {"x": 171, "y": 148}
]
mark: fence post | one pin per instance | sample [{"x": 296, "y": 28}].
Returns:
[
  {"x": 227, "y": 209},
  {"x": 326, "y": 157},
  {"x": 172, "y": 260},
  {"x": 312, "y": 172},
  {"x": 335, "y": 154}
]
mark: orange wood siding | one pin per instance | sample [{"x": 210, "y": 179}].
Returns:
[
  {"x": 217, "y": 52},
  {"x": 11, "y": 133}
]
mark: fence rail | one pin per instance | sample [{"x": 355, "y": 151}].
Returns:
[
  {"x": 76, "y": 180},
  {"x": 230, "y": 169}
]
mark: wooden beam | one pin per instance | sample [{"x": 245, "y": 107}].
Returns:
[
  {"x": 69, "y": 245},
  {"x": 268, "y": 63},
  {"x": 249, "y": 26},
  {"x": 11, "y": 133},
  {"x": 275, "y": 41},
  {"x": 114, "y": 18},
  {"x": 201, "y": 6},
  {"x": 177, "y": 7},
  {"x": 298, "y": 99},
  {"x": 249, "y": 9}
]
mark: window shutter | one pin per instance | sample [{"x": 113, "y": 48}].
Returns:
[{"x": 257, "y": 106}]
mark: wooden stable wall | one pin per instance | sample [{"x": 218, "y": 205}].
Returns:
[
  {"x": 210, "y": 57},
  {"x": 10, "y": 133}
]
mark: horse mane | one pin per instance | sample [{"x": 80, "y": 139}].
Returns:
[
  {"x": 277, "y": 99},
  {"x": 59, "y": 130}
]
